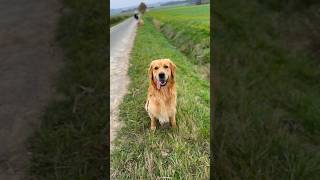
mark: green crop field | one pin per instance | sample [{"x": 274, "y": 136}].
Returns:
[
  {"x": 181, "y": 153},
  {"x": 188, "y": 27},
  {"x": 194, "y": 19}
]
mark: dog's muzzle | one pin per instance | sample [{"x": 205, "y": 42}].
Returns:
[{"x": 161, "y": 80}]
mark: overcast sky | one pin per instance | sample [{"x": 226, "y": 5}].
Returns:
[{"x": 114, "y": 4}]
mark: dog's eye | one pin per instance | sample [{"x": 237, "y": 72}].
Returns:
[
  {"x": 165, "y": 66},
  {"x": 156, "y": 68}
]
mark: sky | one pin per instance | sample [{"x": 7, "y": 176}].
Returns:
[{"x": 114, "y": 4}]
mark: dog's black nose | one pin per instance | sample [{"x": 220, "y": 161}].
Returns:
[{"x": 161, "y": 76}]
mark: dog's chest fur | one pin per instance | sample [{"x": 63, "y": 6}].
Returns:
[{"x": 161, "y": 105}]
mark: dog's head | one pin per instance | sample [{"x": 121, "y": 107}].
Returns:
[{"x": 162, "y": 72}]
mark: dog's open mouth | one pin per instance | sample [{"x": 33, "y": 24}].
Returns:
[{"x": 161, "y": 83}]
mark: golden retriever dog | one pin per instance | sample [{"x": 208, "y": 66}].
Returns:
[
  {"x": 162, "y": 96},
  {"x": 140, "y": 22}
]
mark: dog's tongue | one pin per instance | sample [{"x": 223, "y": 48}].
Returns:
[{"x": 158, "y": 84}]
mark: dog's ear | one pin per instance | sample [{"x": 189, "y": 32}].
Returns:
[
  {"x": 150, "y": 72},
  {"x": 173, "y": 70}
]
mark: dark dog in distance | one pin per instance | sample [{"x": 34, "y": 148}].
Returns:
[{"x": 136, "y": 16}]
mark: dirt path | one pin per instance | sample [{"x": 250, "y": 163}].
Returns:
[
  {"x": 29, "y": 61},
  {"x": 121, "y": 42}
]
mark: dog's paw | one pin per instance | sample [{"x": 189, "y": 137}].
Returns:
[{"x": 153, "y": 128}]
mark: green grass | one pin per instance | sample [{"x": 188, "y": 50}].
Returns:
[
  {"x": 189, "y": 29},
  {"x": 181, "y": 153},
  {"x": 268, "y": 92},
  {"x": 72, "y": 140},
  {"x": 194, "y": 19}
]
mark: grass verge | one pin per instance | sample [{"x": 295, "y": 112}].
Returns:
[
  {"x": 72, "y": 142},
  {"x": 181, "y": 153},
  {"x": 268, "y": 95}
]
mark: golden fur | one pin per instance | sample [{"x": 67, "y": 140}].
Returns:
[
  {"x": 140, "y": 22},
  {"x": 161, "y": 100}
]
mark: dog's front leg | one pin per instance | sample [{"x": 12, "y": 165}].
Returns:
[
  {"x": 173, "y": 121},
  {"x": 153, "y": 123}
]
